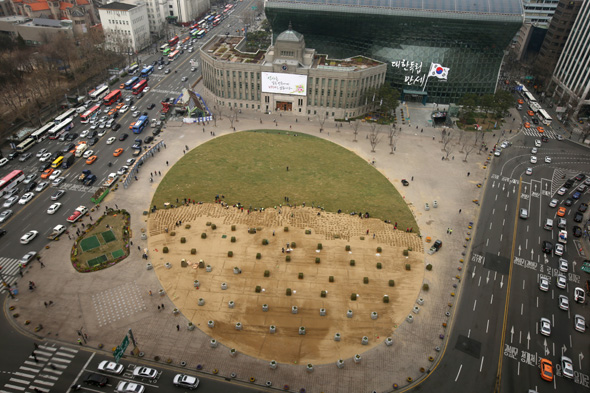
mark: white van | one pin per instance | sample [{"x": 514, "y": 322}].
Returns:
[
  {"x": 81, "y": 149},
  {"x": 3, "y": 161},
  {"x": 548, "y": 224}
]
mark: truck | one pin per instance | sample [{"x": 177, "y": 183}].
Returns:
[
  {"x": 435, "y": 247},
  {"x": 77, "y": 214},
  {"x": 110, "y": 180},
  {"x": 562, "y": 237},
  {"x": 90, "y": 180},
  {"x": 68, "y": 160},
  {"x": 57, "y": 230},
  {"x": 84, "y": 175},
  {"x": 80, "y": 149}
]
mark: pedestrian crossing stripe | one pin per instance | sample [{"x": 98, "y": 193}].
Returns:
[
  {"x": 532, "y": 132},
  {"x": 10, "y": 269}
]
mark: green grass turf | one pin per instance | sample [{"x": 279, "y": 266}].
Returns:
[
  {"x": 251, "y": 168},
  {"x": 89, "y": 243},
  {"x": 108, "y": 236},
  {"x": 97, "y": 260}
]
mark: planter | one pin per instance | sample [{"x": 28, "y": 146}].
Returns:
[
  {"x": 237, "y": 270},
  {"x": 336, "y": 336},
  {"x": 175, "y": 311},
  {"x": 213, "y": 343},
  {"x": 302, "y": 330},
  {"x": 389, "y": 341},
  {"x": 233, "y": 352},
  {"x": 231, "y": 304},
  {"x": 190, "y": 326},
  {"x": 196, "y": 283},
  {"x": 168, "y": 265},
  {"x": 273, "y": 329},
  {"x": 416, "y": 309},
  {"x": 349, "y": 314},
  {"x": 374, "y": 315},
  {"x": 357, "y": 358},
  {"x": 322, "y": 312},
  {"x": 410, "y": 318},
  {"x": 294, "y": 310},
  {"x": 252, "y": 379},
  {"x": 149, "y": 266},
  {"x": 268, "y": 383},
  {"x": 162, "y": 292},
  {"x": 224, "y": 285},
  {"x": 201, "y": 302},
  {"x": 211, "y": 323},
  {"x": 273, "y": 364},
  {"x": 208, "y": 269},
  {"x": 420, "y": 301},
  {"x": 265, "y": 307},
  {"x": 238, "y": 326},
  {"x": 340, "y": 363},
  {"x": 365, "y": 340},
  {"x": 309, "y": 367}
]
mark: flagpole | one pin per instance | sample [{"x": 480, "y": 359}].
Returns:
[{"x": 426, "y": 82}]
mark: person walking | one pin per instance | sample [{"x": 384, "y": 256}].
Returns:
[
  {"x": 162, "y": 306},
  {"x": 79, "y": 341},
  {"x": 177, "y": 328}
]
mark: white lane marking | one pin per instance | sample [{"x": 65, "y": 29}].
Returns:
[
  {"x": 521, "y": 308},
  {"x": 487, "y": 326},
  {"x": 474, "y": 304},
  {"x": 35, "y": 370},
  {"x": 487, "y": 241},
  {"x": 492, "y": 299},
  {"x": 481, "y": 365},
  {"x": 523, "y": 284},
  {"x": 490, "y": 225},
  {"x": 19, "y": 381},
  {"x": 24, "y": 375},
  {"x": 14, "y": 387},
  {"x": 459, "y": 372}
]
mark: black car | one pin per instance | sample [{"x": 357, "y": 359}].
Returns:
[
  {"x": 67, "y": 148},
  {"x": 156, "y": 132},
  {"x": 578, "y": 217},
  {"x": 55, "y": 155},
  {"x": 2, "y": 232},
  {"x": 405, "y": 182},
  {"x": 151, "y": 106},
  {"x": 583, "y": 207},
  {"x": 92, "y": 134},
  {"x": 71, "y": 137},
  {"x": 568, "y": 202},
  {"x": 577, "y": 231},
  {"x": 116, "y": 126},
  {"x": 13, "y": 155},
  {"x": 115, "y": 115},
  {"x": 569, "y": 183},
  {"x": 93, "y": 142},
  {"x": 123, "y": 137},
  {"x": 136, "y": 144},
  {"x": 580, "y": 177},
  {"x": 148, "y": 139},
  {"x": 96, "y": 380},
  {"x": 547, "y": 247},
  {"x": 30, "y": 187},
  {"x": 535, "y": 120},
  {"x": 44, "y": 165}
]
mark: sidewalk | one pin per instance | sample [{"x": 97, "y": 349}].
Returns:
[{"x": 108, "y": 302}]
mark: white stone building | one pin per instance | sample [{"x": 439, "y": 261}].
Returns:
[
  {"x": 126, "y": 26},
  {"x": 186, "y": 10}
]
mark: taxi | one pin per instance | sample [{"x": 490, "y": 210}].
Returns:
[
  {"x": 91, "y": 160},
  {"x": 540, "y": 129},
  {"x": 561, "y": 211},
  {"x": 527, "y": 125},
  {"x": 530, "y": 113},
  {"x": 520, "y": 102},
  {"x": 546, "y": 370},
  {"x": 46, "y": 173},
  {"x": 131, "y": 125},
  {"x": 118, "y": 152}
]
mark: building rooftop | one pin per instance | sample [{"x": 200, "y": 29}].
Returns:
[
  {"x": 513, "y": 7},
  {"x": 224, "y": 48},
  {"x": 117, "y": 6}
]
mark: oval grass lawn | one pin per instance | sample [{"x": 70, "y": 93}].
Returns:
[{"x": 251, "y": 168}]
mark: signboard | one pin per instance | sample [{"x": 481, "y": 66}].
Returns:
[
  {"x": 121, "y": 349},
  {"x": 273, "y": 82}
]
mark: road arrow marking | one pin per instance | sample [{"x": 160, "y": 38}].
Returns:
[
  {"x": 488, "y": 277},
  {"x": 519, "y": 249},
  {"x": 528, "y": 340},
  {"x": 502, "y": 282},
  {"x": 580, "y": 357},
  {"x": 563, "y": 349},
  {"x": 547, "y": 351},
  {"x": 511, "y": 334}
]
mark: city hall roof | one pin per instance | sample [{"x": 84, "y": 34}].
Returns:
[{"x": 501, "y": 7}]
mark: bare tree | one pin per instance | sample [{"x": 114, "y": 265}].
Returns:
[
  {"x": 374, "y": 137},
  {"x": 233, "y": 116},
  {"x": 355, "y": 129},
  {"x": 448, "y": 147},
  {"x": 322, "y": 119},
  {"x": 469, "y": 145}
]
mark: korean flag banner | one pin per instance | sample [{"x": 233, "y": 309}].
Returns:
[{"x": 439, "y": 71}]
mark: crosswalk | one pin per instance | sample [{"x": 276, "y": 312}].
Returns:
[
  {"x": 41, "y": 370},
  {"x": 533, "y": 132},
  {"x": 10, "y": 269}
]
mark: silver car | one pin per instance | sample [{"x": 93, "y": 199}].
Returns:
[
  {"x": 5, "y": 214},
  {"x": 545, "y": 327}
]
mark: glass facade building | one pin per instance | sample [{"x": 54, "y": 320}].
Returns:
[{"x": 467, "y": 37}]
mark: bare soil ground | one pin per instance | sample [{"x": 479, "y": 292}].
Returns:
[{"x": 334, "y": 232}]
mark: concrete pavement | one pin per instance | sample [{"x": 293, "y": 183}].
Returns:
[{"x": 106, "y": 303}]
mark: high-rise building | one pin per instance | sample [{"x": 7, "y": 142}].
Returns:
[
  {"x": 571, "y": 80},
  {"x": 559, "y": 31},
  {"x": 126, "y": 27},
  {"x": 415, "y": 38},
  {"x": 183, "y": 11}
]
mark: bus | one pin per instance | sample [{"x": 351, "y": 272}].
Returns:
[
  {"x": 173, "y": 41},
  {"x": 200, "y": 34},
  {"x": 131, "y": 82},
  {"x": 216, "y": 21},
  {"x": 86, "y": 116},
  {"x": 228, "y": 8},
  {"x": 166, "y": 52},
  {"x": 140, "y": 124},
  {"x": 41, "y": 133},
  {"x": 62, "y": 127},
  {"x": 112, "y": 97},
  {"x": 99, "y": 93},
  {"x": 11, "y": 180},
  {"x": 164, "y": 47},
  {"x": 147, "y": 70},
  {"x": 65, "y": 115},
  {"x": 528, "y": 96},
  {"x": 545, "y": 118},
  {"x": 139, "y": 87},
  {"x": 133, "y": 69},
  {"x": 26, "y": 145},
  {"x": 211, "y": 19},
  {"x": 202, "y": 24},
  {"x": 173, "y": 55}
]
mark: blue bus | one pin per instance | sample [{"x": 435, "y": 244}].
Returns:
[
  {"x": 140, "y": 124},
  {"x": 131, "y": 82},
  {"x": 211, "y": 19},
  {"x": 147, "y": 70}
]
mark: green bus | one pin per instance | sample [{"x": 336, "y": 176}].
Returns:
[{"x": 166, "y": 51}]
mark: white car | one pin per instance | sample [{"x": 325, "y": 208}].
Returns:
[
  {"x": 102, "y": 124},
  {"x": 545, "y": 327},
  {"x": 88, "y": 153},
  {"x": 11, "y": 201},
  {"x": 554, "y": 202},
  {"x": 28, "y": 237},
  {"x": 53, "y": 208},
  {"x": 135, "y": 114},
  {"x": 544, "y": 284},
  {"x": 534, "y": 150},
  {"x": 102, "y": 133},
  {"x": 111, "y": 367},
  {"x": 134, "y": 108},
  {"x": 41, "y": 186},
  {"x": 58, "y": 181},
  {"x": 146, "y": 89},
  {"x": 529, "y": 171},
  {"x": 27, "y": 258},
  {"x": 537, "y": 142},
  {"x": 561, "y": 281},
  {"x": 123, "y": 170},
  {"x": 559, "y": 249},
  {"x": 45, "y": 157},
  {"x": 160, "y": 66},
  {"x": 580, "y": 323},
  {"x": 504, "y": 145},
  {"x": 55, "y": 174},
  {"x": 5, "y": 214},
  {"x": 533, "y": 159},
  {"x": 547, "y": 160},
  {"x": 186, "y": 381},
  {"x": 111, "y": 140},
  {"x": 497, "y": 153},
  {"x": 94, "y": 126},
  {"x": 129, "y": 387},
  {"x": 145, "y": 372},
  {"x": 84, "y": 134},
  {"x": 26, "y": 198},
  {"x": 564, "y": 303},
  {"x": 124, "y": 109},
  {"x": 579, "y": 295},
  {"x": 567, "y": 367},
  {"x": 562, "y": 191},
  {"x": 563, "y": 265},
  {"x": 110, "y": 123},
  {"x": 40, "y": 153}
]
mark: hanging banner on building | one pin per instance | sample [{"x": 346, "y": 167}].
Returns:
[{"x": 284, "y": 83}]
